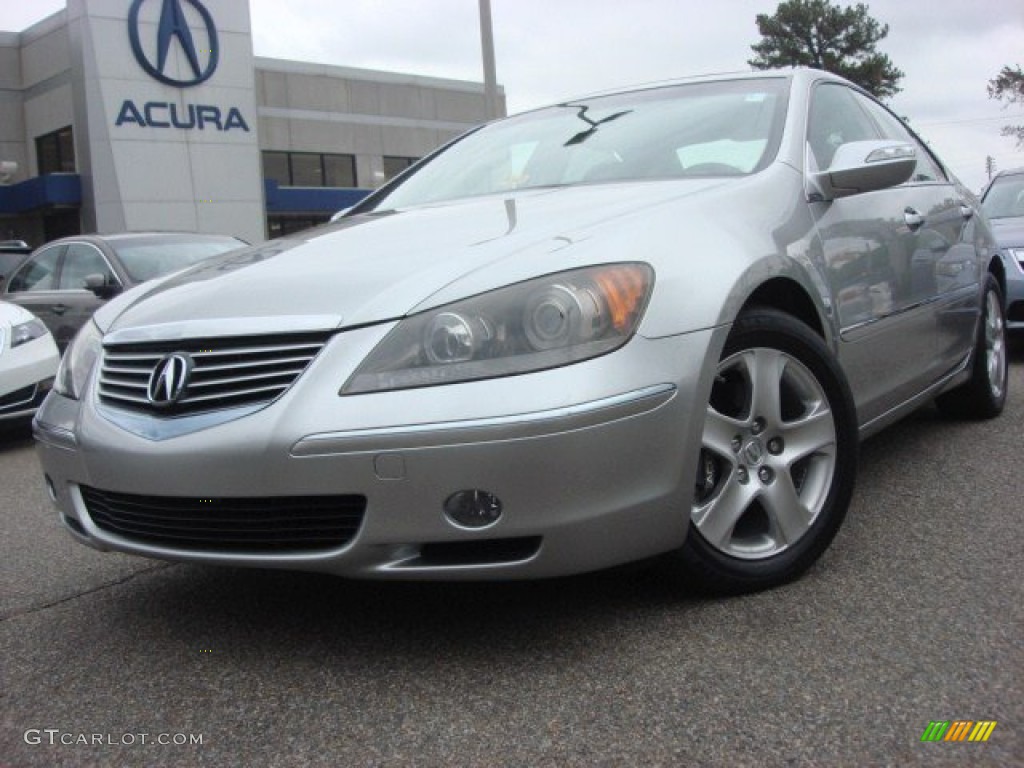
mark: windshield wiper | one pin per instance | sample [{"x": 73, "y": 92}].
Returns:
[{"x": 582, "y": 136}]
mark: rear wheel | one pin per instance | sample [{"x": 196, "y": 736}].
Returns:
[
  {"x": 984, "y": 394},
  {"x": 777, "y": 459}
]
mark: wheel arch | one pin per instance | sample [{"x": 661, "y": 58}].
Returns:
[
  {"x": 998, "y": 271},
  {"x": 787, "y": 295}
]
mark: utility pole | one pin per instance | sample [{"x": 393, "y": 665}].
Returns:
[{"x": 493, "y": 109}]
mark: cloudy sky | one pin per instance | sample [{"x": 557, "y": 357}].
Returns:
[{"x": 549, "y": 50}]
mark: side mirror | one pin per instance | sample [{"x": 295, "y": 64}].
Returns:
[
  {"x": 98, "y": 284},
  {"x": 864, "y": 166}
]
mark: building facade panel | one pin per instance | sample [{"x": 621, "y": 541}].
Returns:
[
  {"x": 45, "y": 54},
  {"x": 44, "y": 114},
  {"x": 10, "y": 62}
]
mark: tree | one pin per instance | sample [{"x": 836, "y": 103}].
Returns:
[
  {"x": 815, "y": 33},
  {"x": 1009, "y": 85}
]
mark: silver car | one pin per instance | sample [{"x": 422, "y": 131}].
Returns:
[
  {"x": 632, "y": 324},
  {"x": 1003, "y": 203}
]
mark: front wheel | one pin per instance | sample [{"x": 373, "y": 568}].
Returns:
[{"x": 777, "y": 461}]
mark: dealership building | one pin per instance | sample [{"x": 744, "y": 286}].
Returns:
[{"x": 154, "y": 114}]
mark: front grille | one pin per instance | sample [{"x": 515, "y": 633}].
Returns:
[
  {"x": 252, "y": 525},
  {"x": 226, "y": 372}
]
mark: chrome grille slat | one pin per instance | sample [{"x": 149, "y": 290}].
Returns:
[
  {"x": 241, "y": 380},
  {"x": 112, "y": 370},
  {"x": 254, "y": 364},
  {"x": 114, "y": 381},
  {"x": 238, "y": 393},
  {"x": 225, "y": 373},
  {"x": 254, "y": 350}
]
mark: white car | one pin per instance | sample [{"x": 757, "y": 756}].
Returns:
[{"x": 28, "y": 362}]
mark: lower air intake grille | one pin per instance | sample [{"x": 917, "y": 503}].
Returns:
[
  {"x": 19, "y": 399},
  {"x": 251, "y": 525},
  {"x": 221, "y": 373}
]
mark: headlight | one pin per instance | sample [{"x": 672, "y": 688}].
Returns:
[
  {"x": 78, "y": 362},
  {"x": 27, "y": 331},
  {"x": 543, "y": 323}
]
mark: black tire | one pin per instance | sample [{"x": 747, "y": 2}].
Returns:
[
  {"x": 772, "y": 487},
  {"x": 984, "y": 394}
]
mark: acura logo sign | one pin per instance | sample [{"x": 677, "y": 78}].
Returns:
[
  {"x": 173, "y": 26},
  {"x": 169, "y": 379}
]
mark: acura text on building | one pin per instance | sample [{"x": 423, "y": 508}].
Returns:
[
  {"x": 173, "y": 26},
  {"x": 163, "y": 114}
]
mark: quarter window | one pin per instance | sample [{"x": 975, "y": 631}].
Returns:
[{"x": 39, "y": 273}]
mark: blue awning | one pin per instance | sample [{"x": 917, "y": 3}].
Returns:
[
  {"x": 325, "y": 200},
  {"x": 54, "y": 190}
]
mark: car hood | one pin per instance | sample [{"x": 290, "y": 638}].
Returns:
[
  {"x": 381, "y": 266},
  {"x": 1008, "y": 232}
]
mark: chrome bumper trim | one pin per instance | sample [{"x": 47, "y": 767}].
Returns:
[{"x": 537, "y": 424}]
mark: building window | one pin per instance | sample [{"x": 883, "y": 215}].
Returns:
[
  {"x": 395, "y": 165},
  {"x": 275, "y": 168},
  {"x": 340, "y": 170},
  {"x": 309, "y": 169},
  {"x": 55, "y": 152}
]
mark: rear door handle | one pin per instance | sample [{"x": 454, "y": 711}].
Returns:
[
  {"x": 913, "y": 219},
  {"x": 59, "y": 309}
]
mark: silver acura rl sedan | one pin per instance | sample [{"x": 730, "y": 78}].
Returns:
[{"x": 650, "y": 322}]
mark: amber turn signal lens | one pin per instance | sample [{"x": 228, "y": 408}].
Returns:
[{"x": 624, "y": 288}]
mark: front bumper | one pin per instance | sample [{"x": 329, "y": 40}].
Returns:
[
  {"x": 1014, "y": 271},
  {"x": 594, "y": 465}
]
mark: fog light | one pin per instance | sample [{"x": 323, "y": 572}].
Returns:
[{"x": 473, "y": 508}]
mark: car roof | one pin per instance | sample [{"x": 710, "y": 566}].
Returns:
[
  {"x": 125, "y": 237},
  {"x": 14, "y": 246},
  {"x": 795, "y": 73},
  {"x": 1009, "y": 172}
]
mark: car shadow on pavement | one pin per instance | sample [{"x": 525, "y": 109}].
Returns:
[
  {"x": 15, "y": 436},
  {"x": 241, "y": 611},
  {"x": 1015, "y": 347}
]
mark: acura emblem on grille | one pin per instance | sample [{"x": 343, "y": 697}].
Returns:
[{"x": 169, "y": 379}]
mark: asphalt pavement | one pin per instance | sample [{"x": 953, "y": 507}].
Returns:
[{"x": 916, "y": 614}]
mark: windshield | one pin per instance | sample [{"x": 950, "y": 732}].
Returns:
[
  {"x": 728, "y": 128},
  {"x": 1005, "y": 198},
  {"x": 143, "y": 260}
]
